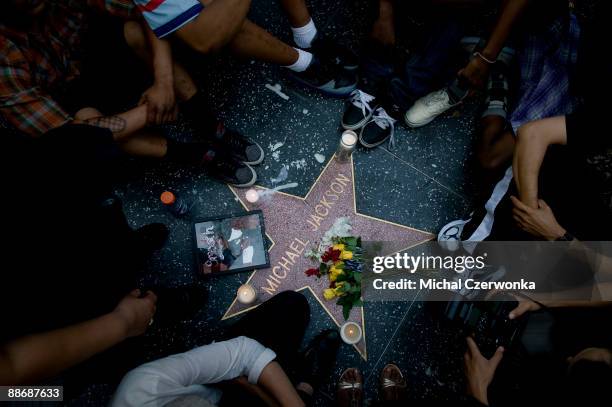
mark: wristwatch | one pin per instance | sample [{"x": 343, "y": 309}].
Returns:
[{"x": 567, "y": 237}]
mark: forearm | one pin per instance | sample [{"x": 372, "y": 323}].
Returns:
[
  {"x": 123, "y": 124},
  {"x": 274, "y": 380},
  {"x": 35, "y": 357},
  {"x": 511, "y": 12},
  {"x": 162, "y": 58}
]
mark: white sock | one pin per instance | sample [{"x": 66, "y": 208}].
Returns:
[
  {"x": 303, "y": 61},
  {"x": 303, "y": 36}
]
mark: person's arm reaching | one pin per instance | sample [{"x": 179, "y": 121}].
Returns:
[
  {"x": 159, "y": 98},
  {"x": 163, "y": 379},
  {"x": 383, "y": 29},
  {"x": 36, "y": 357},
  {"x": 477, "y": 70}
]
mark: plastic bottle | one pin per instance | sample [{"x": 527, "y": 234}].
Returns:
[{"x": 177, "y": 206}]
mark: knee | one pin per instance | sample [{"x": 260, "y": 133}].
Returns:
[
  {"x": 490, "y": 161},
  {"x": 527, "y": 132},
  {"x": 134, "y": 35}
]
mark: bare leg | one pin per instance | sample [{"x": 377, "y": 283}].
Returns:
[
  {"x": 140, "y": 143},
  {"x": 297, "y": 12},
  {"x": 216, "y": 26},
  {"x": 253, "y": 41},
  {"x": 145, "y": 144},
  {"x": 496, "y": 145},
  {"x": 220, "y": 25}
]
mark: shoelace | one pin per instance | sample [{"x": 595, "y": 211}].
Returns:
[
  {"x": 384, "y": 121},
  {"x": 362, "y": 101},
  {"x": 436, "y": 97}
]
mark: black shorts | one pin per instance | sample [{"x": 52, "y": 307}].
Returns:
[{"x": 112, "y": 77}]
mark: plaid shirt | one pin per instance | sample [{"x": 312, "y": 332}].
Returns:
[
  {"x": 547, "y": 62},
  {"x": 32, "y": 64}
]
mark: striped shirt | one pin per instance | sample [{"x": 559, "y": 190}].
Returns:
[{"x": 166, "y": 16}]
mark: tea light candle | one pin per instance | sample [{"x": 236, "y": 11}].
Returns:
[
  {"x": 350, "y": 333},
  {"x": 252, "y": 195},
  {"x": 246, "y": 294}
]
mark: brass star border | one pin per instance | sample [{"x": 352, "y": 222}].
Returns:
[{"x": 296, "y": 224}]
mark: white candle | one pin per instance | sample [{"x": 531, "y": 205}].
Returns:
[
  {"x": 252, "y": 195},
  {"x": 246, "y": 294},
  {"x": 350, "y": 333}
]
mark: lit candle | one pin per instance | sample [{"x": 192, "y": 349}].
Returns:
[
  {"x": 252, "y": 195},
  {"x": 350, "y": 333},
  {"x": 246, "y": 294}
]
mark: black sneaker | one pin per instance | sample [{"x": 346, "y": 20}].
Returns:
[
  {"x": 329, "y": 50},
  {"x": 359, "y": 109},
  {"x": 245, "y": 150},
  {"x": 327, "y": 78},
  {"x": 150, "y": 238},
  {"x": 229, "y": 169},
  {"x": 320, "y": 357},
  {"x": 380, "y": 128},
  {"x": 177, "y": 304}
]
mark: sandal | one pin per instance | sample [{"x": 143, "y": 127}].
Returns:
[
  {"x": 392, "y": 383},
  {"x": 350, "y": 389}
]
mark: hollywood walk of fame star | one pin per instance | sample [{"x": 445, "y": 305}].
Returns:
[{"x": 295, "y": 225}]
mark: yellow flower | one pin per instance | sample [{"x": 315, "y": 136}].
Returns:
[
  {"x": 334, "y": 273},
  {"x": 346, "y": 255},
  {"x": 329, "y": 294},
  {"x": 338, "y": 246},
  {"x": 337, "y": 291}
]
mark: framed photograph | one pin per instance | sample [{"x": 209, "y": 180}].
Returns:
[{"x": 230, "y": 244}]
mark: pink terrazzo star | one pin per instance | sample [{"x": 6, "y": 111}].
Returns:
[{"x": 295, "y": 225}]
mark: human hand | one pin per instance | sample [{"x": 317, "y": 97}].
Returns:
[
  {"x": 136, "y": 312},
  {"x": 593, "y": 355},
  {"x": 524, "y": 304},
  {"x": 479, "y": 371},
  {"x": 161, "y": 103},
  {"x": 539, "y": 222},
  {"x": 475, "y": 73}
]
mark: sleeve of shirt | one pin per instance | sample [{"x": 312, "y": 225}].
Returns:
[
  {"x": 167, "y": 378},
  {"x": 24, "y": 105}
]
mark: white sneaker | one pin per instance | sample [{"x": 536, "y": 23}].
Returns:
[{"x": 428, "y": 108}]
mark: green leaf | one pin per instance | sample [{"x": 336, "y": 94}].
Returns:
[
  {"x": 323, "y": 268},
  {"x": 357, "y": 277},
  {"x": 346, "y": 310}
]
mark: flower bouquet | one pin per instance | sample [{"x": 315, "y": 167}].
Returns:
[{"x": 342, "y": 263}]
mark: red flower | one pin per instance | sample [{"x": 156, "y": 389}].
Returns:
[
  {"x": 313, "y": 272},
  {"x": 331, "y": 254}
]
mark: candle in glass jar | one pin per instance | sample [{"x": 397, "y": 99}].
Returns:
[
  {"x": 350, "y": 333},
  {"x": 246, "y": 294}
]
